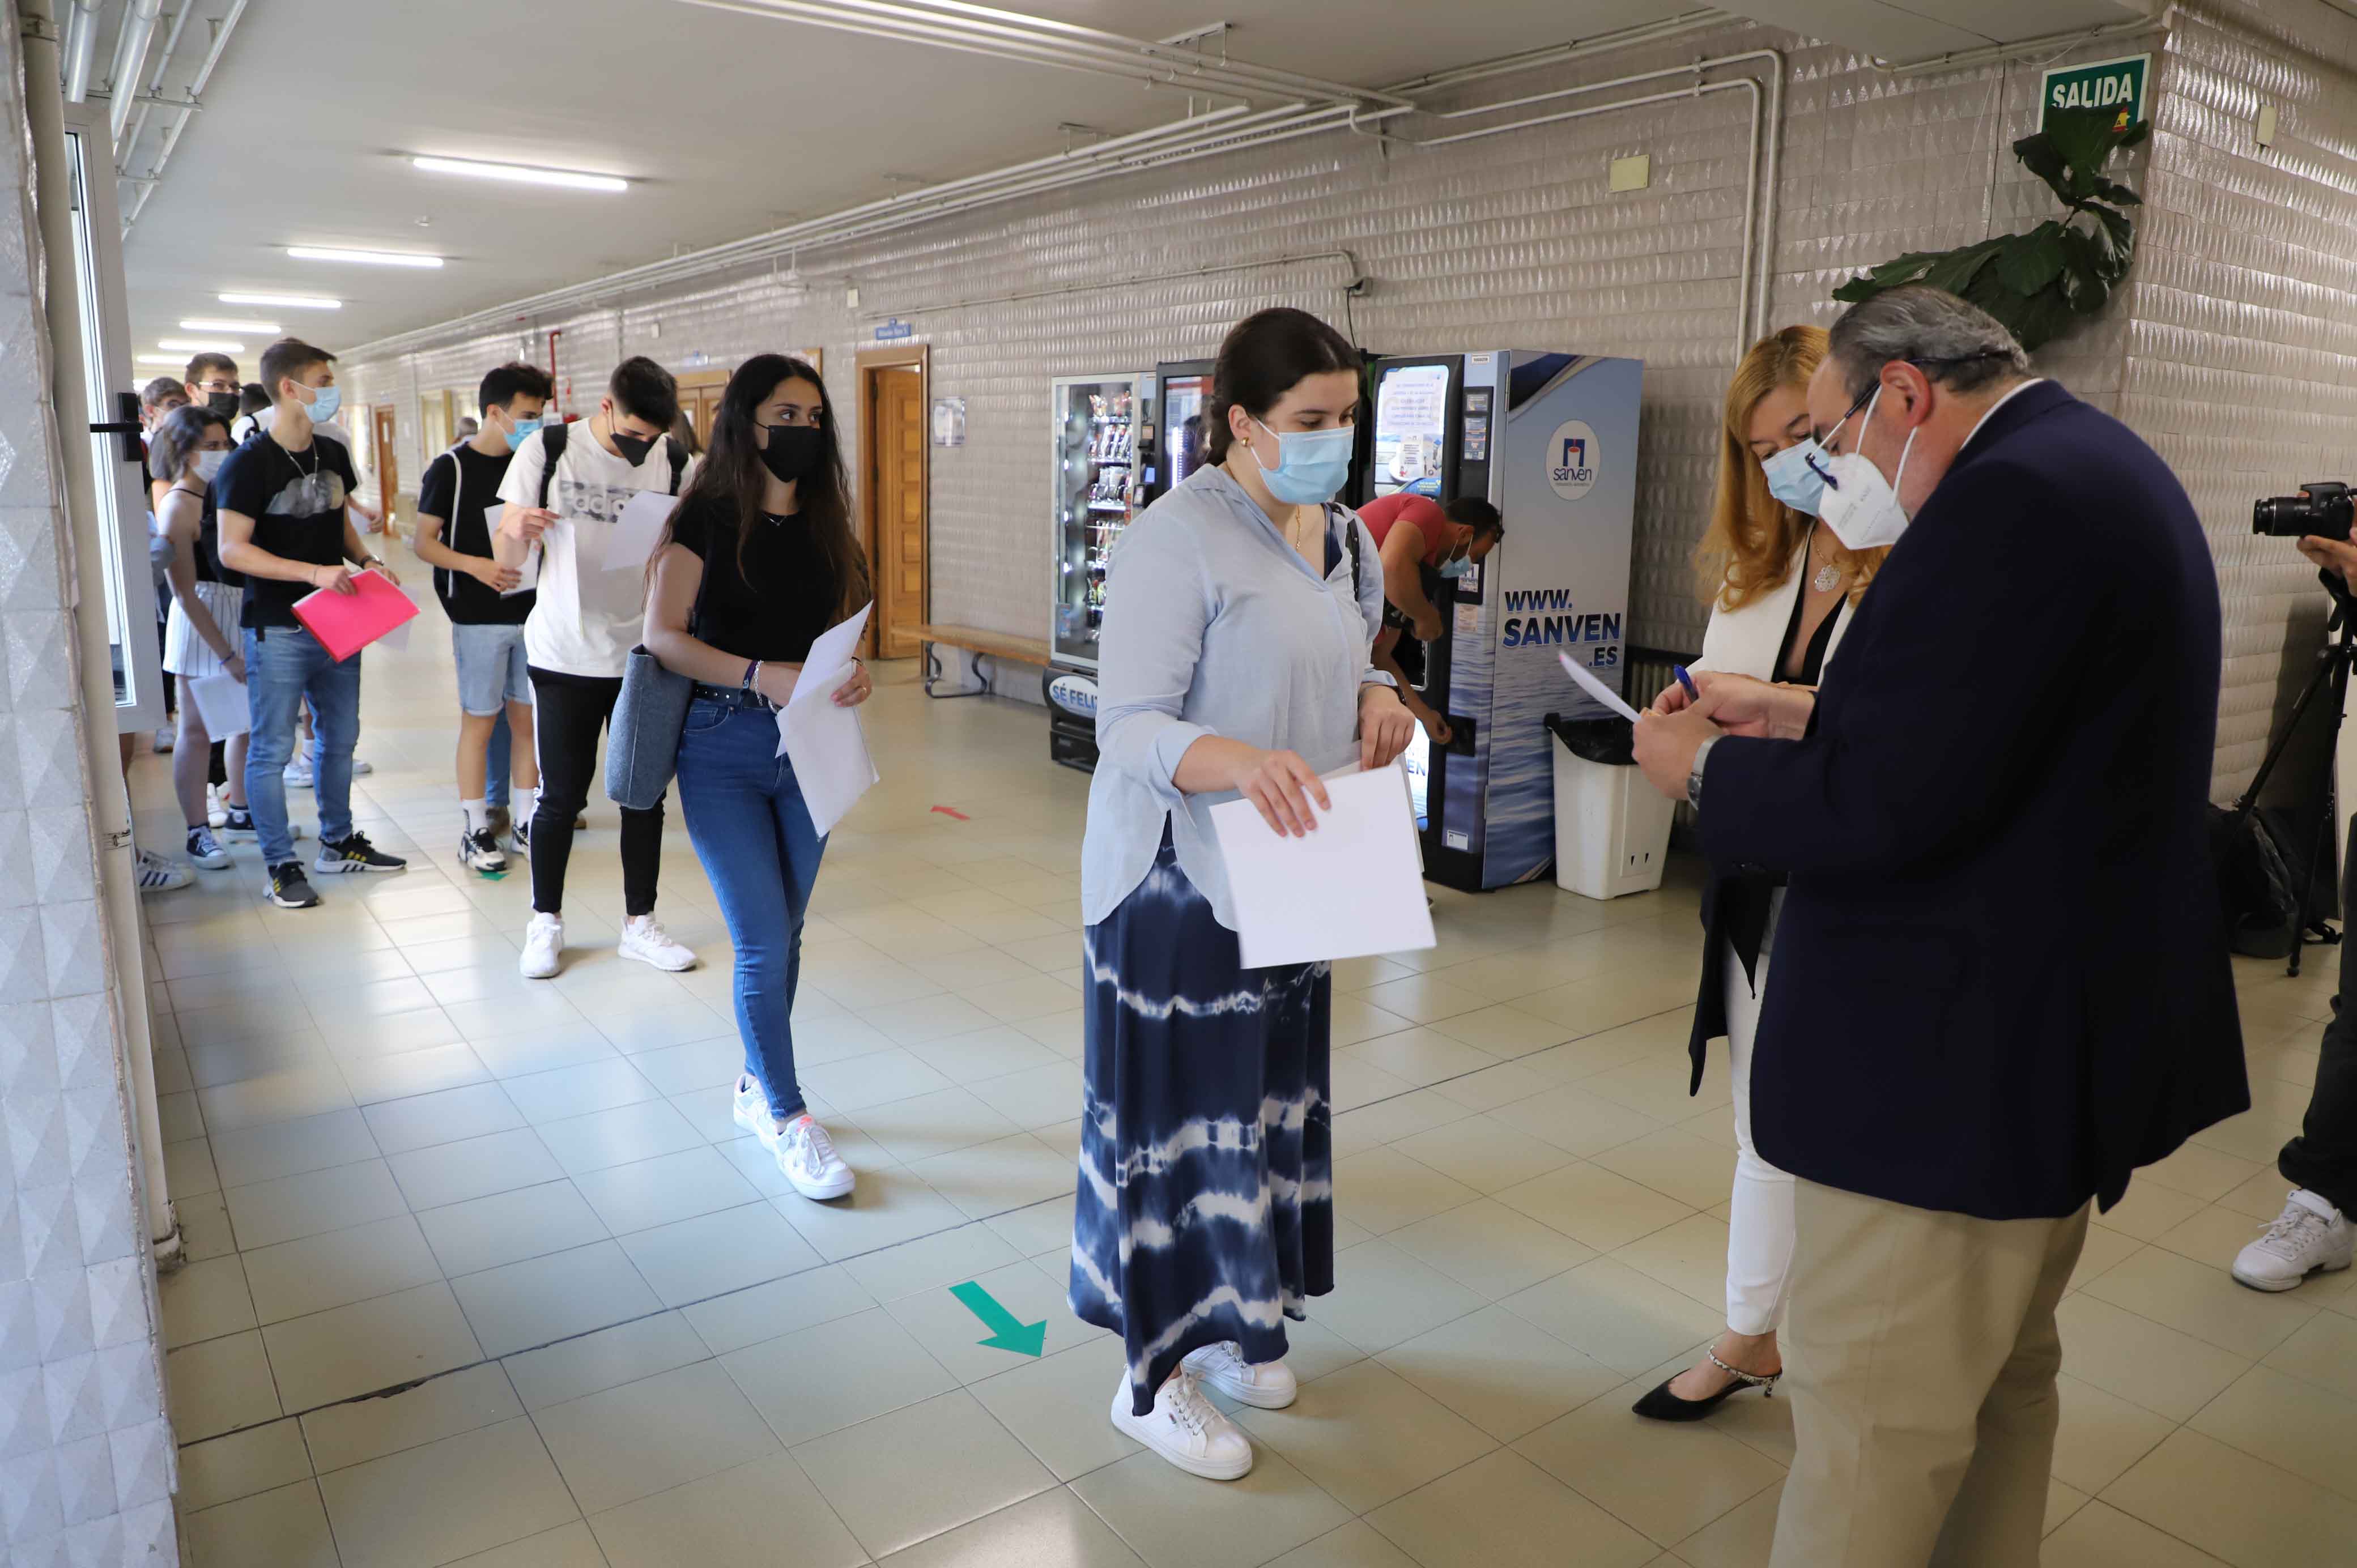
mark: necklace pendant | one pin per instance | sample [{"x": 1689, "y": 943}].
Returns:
[{"x": 1828, "y": 578}]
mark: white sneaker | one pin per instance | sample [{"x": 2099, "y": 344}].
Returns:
[
  {"x": 1269, "y": 1387},
  {"x": 167, "y": 736},
  {"x": 807, "y": 1156},
  {"x": 544, "y": 947},
  {"x": 216, "y": 813},
  {"x": 1187, "y": 1429},
  {"x": 2310, "y": 1237},
  {"x": 157, "y": 875},
  {"x": 362, "y": 769},
  {"x": 297, "y": 774},
  {"x": 753, "y": 1111},
  {"x": 644, "y": 938}
]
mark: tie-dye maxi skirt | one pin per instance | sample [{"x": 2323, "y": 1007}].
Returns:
[{"x": 1206, "y": 1205}]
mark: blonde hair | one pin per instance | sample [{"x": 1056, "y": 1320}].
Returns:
[{"x": 1749, "y": 550}]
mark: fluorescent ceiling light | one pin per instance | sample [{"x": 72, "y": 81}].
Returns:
[
  {"x": 205, "y": 324},
  {"x": 283, "y": 301},
  {"x": 201, "y": 345},
  {"x": 366, "y": 258},
  {"x": 521, "y": 174},
  {"x": 173, "y": 360}
]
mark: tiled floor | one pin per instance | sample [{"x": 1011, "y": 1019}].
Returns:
[{"x": 617, "y": 1339}]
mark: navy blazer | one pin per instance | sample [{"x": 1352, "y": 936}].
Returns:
[{"x": 2001, "y": 978}]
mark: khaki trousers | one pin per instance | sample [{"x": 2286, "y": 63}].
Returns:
[{"x": 1921, "y": 1355}]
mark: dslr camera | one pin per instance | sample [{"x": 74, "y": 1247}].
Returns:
[{"x": 2322, "y": 508}]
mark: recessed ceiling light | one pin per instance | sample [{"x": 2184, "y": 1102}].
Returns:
[
  {"x": 365, "y": 258},
  {"x": 283, "y": 301},
  {"x": 205, "y": 324},
  {"x": 521, "y": 174},
  {"x": 201, "y": 345}
]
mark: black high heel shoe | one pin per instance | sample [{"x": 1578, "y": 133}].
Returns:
[{"x": 1663, "y": 1405}]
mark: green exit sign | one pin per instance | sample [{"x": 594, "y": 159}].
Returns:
[{"x": 2113, "y": 85}]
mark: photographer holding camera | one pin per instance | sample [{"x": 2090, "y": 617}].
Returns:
[{"x": 2313, "y": 1234}]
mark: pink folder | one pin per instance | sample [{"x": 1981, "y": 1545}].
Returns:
[{"x": 346, "y": 623}]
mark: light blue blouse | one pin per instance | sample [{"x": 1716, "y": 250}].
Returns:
[{"x": 1214, "y": 625}]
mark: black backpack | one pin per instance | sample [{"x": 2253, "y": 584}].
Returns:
[{"x": 552, "y": 447}]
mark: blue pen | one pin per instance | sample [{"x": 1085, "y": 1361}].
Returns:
[{"x": 1694, "y": 692}]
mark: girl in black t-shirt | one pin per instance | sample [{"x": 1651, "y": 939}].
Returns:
[{"x": 757, "y": 560}]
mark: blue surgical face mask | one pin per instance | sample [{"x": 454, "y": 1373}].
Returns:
[
  {"x": 1456, "y": 568},
  {"x": 521, "y": 430},
  {"x": 1792, "y": 479},
  {"x": 1311, "y": 464},
  {"x": 325, "y": 402}
]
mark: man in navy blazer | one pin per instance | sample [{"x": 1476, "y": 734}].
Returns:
[{"x": 2001, "y": 974}]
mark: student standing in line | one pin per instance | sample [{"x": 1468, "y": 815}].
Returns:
[
  {"x": 757, "y": 560},
  {"x": 284, "y": 525},
  {"x": 457, "y": 490},
  {"x": 1239, "y": 611},
  {"x": 198, "y": 639},
  {"x": 211, "y": 382},
  {"x": 577, "y": 640},
  {"x": 157, "y": 400}
]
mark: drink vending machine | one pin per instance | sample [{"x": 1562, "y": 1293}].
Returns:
[
  {"x": 1102, "y": 433},
  {"x": 1550, "y": 439}
]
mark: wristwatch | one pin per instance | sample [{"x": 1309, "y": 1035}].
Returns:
[{"x": 1693, "y": 774}]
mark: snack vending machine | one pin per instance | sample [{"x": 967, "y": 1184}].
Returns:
[
  {"x": 1095, "y": 486},
  {"x": 1550, "y": 439},
  {"x": 1182, "y": 401}
]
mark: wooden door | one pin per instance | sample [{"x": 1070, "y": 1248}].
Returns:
[
  {"x": 388, "y": 483},
  {"x": 898, "y": 471}
]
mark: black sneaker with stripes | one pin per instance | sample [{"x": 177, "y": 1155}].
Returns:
[
  {"x": 289, "y": 888},
  {"x": 355, "y": 853}
]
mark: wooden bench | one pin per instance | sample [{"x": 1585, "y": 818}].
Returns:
[{"x": 974, "y": 640}]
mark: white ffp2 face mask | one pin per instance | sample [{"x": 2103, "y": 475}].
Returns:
[{"x": 1859, "y": 505}]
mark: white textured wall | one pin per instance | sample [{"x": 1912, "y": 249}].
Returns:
[
  {"x": 1517, "y": 242},
  {"x": 86, "y": 1458}
]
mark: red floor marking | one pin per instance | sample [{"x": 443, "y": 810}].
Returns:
[{"x": 952, "y": 811}]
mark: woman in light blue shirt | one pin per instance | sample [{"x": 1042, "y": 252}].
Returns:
[{"x": 1239, "y": 614}]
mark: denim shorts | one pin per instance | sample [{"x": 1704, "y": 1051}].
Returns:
[{"x": 490, "y": 668}]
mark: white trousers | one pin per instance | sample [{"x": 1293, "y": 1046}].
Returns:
[{"x": 1760, "y": 1215}]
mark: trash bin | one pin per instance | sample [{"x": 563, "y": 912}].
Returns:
[{"x": 1611, "y": 827}]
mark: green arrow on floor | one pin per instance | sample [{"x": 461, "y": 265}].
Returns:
[{"x": 1006, "y": 1334}]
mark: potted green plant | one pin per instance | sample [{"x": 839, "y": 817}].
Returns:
[{"x": 2038, "y": 283}]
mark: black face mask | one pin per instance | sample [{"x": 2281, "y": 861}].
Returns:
[
  {"x": 222, "y": 404},
  {"x": 793, "y": 451},
  {"x": 634, "y": 448}
]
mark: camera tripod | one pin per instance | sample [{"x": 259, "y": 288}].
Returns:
[{"x": 2333, "y": 661}]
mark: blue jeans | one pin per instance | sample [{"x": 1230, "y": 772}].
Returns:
[
  {"x": 284, "y": 665},
  {"x": 751, "y": 831}
]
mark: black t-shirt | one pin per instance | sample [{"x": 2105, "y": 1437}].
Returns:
[
  {"x": 470, "y": 481},
  {"x": 296, "y": 502},
  {"x": 791, "y": 598}
]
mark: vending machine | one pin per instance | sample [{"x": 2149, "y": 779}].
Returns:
[
  {"x": 1550, "y": 439},
  {"x": 1182, "y": 401},
  {"x": 1096, "y": 422}
]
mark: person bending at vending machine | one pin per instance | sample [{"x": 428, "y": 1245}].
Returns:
[
  {"x": 1424, "y": 543},
  {"x": 1239, "y": 613},
  {"x": 1783, "y": 590},
  {"x": 757, "y": 560}
]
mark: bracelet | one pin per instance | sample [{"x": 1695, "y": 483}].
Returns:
[{"x": 752, "y": 669}]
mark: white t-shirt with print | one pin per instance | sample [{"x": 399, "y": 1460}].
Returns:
[{"x": 586, "y": 619}]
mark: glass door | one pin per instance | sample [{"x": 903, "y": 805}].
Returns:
[
  {"x": 1096, "y": 452},
  {"x": 117, "y": 461}
]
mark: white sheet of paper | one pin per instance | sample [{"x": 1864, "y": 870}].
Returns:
[
  {"x": 632, "y": 538},
  {"x": 1353, "y": 889},
  {"x": 529, "y": 578},
  {"x": 824, "y": 742},
  {"x": 222, "y": 704},
  {"x": 397, "y": 640},
  {"x": 1598, "y": 689}
]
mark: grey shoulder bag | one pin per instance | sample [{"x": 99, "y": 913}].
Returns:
[{"x": 642, "y": 736}]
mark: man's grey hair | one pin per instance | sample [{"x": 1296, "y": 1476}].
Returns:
[{"x": 1957, "y": 344}]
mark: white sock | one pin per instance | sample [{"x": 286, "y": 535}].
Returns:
[{"x": 477, "y": 814}]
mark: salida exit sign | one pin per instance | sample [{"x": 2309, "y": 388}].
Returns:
[{"x": 2116, "y": 85}]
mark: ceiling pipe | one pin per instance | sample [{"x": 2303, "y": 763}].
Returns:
[
  {"x": 978, "y": 30},
  {"x": 123, "y": 144},
  {"x": 81, "y": 49},
  {"x": 186, "y": 112},
  {"x": 1577, "y": 48},
  {"x": 130, "y": 59},
  {"x": 1960, "y": 59}
]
